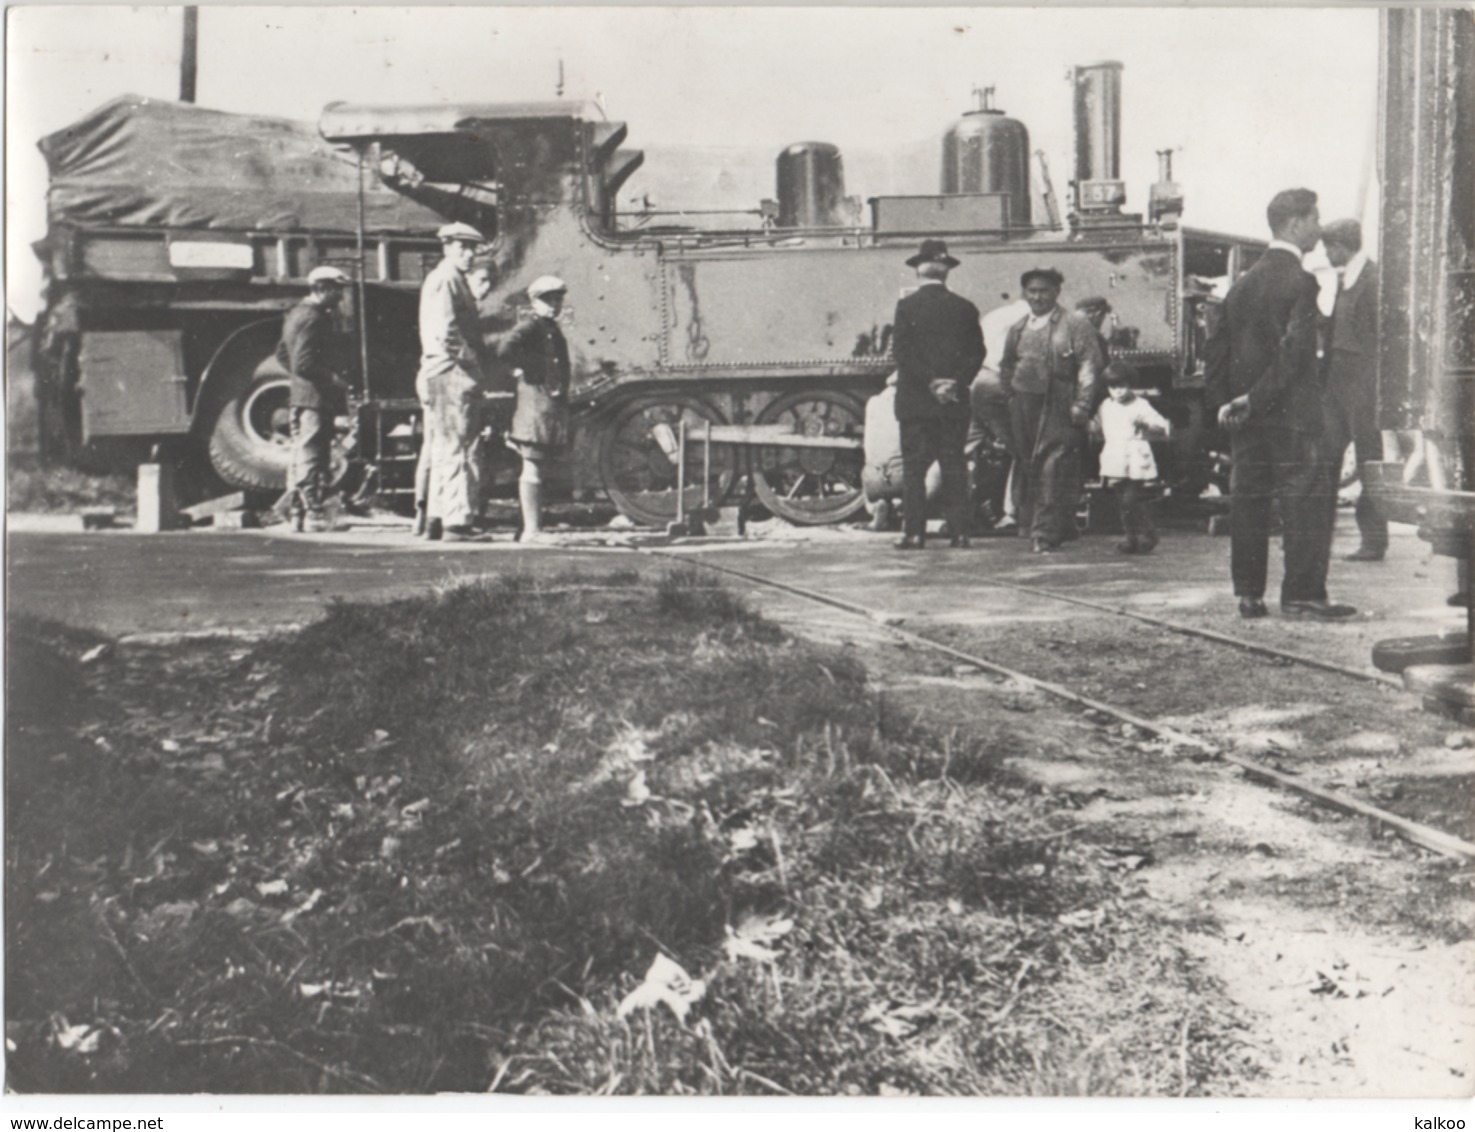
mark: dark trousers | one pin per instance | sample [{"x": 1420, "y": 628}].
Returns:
[
  {"x": 1351, "y": 417},
  {"x": 1134, "y": 501},
  {"x": 926, "y": 440},
  {"x": 1272, "y": 463},
  {"x": 1047, "y": 465}
]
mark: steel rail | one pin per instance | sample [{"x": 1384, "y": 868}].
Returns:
[
  {"x": 1214, "y": 635},
  {"x": 1424, "y": 836}
]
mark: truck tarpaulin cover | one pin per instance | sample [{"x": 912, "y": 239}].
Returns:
[{"x": 145, "y": 162}]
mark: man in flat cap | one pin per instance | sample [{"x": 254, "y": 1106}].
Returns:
[
  {"x": 309, "y": 350},
  {"x": 1352, "y": 376},
  {"x": 452, "y": 373},
  {"x": 938, "y": 345},
  {"x": 1263, "y": 374},
  {"x": 537, "y": 354},
  {"x": 1051, "y": 369}
]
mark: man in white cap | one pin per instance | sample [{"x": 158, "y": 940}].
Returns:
[
  {"x": 309, "y": 350},
  {"x": 452, "y": 353},
  {"x": 537, "y": 355}
]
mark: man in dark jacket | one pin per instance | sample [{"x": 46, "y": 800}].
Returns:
[
  {"x": 1051, "y": 370},
  {"x": 537, "y": 354},
  {"x": 1352, "y": 375},
  {"x": 1263, "y": 373},
  {"x": 309, "y": 351},
  {"x": 938, "y": 345}
]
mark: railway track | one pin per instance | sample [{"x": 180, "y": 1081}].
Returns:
[{"x": 962, "y": 645}]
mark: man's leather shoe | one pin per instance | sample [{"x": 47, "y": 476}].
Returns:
[
  {"x": 1045, "y": 546},
  {"x": 1365, "y": 554},
  {"x": 909, "y": 543},
  {"x": 1318, "y": 610},
  {"x": 960, "y": 542},
  {"x": 1251, "y": 608}
]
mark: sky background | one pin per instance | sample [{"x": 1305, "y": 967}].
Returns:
[{"x": 1255, "y": 99}]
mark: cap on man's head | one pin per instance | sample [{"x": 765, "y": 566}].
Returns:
[
  {"x": 1093, "y": 303},
  {"x": 327, "y": 274},
  {"x": 546, "y": 285},
  {"x": 1343, "y": 233},
  {"x": 932, "y": 251},
  {"x": 1048, "y": 274},
  {"x": 459, "y": 233}
]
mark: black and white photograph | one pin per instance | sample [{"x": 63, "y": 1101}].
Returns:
[{"x": 740, "y": 552}]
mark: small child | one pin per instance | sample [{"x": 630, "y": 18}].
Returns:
[{"x": 1127, "y": 423}]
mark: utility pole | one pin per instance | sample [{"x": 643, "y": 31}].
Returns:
[{"x": 189, "y": 56}]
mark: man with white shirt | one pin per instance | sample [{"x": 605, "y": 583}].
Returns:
[
  {"x": 1264, "y": 375},
  {"x": 1351, "y": 391}
]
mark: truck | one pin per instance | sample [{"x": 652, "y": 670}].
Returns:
[{"x": 713, "y": 355}]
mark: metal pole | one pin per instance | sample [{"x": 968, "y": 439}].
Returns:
[
  {"x": 363, "y": 314},
  {"x": 681, "y": 474},
  {"x": 707, "y": 470},
  {"x": 189, "y": 56}
]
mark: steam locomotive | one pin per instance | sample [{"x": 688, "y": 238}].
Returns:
[{"x": 772, "y": 332}]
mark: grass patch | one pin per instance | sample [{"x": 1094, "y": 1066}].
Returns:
[
  {"x": 33, "y": 488},
  {"x": 440, "y": 844}
]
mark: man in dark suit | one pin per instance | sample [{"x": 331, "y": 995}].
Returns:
[
  {"x": 1264, "y": 376},
  {"x": 938, "y": 345},
  {"x": 1352, "y": 375}
]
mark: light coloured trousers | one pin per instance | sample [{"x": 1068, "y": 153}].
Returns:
[{"x": 451, "y": 483}]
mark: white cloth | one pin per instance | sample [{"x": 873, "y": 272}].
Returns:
[
  {"x": 1126, "y": 427},
  {"x": 1353, "y": 271}
]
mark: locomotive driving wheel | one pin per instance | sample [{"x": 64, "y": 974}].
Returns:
[
  {"x": 812, "y": 486},
  {"x": 638, "y": 455}
]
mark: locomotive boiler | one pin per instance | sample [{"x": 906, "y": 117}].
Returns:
[{"x": 775, "y": 332}]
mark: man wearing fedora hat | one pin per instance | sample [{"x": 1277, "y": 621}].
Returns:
[
  {"x": 447, "y": 477},
  {"x": 308, "y": 351},
  {"x": 938, "y": 345},
  {"x": 1050, "y": 371}
]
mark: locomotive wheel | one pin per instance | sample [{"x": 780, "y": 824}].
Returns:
[
  {"x": 812, "y": 486},
  {"x": 250, "y": 425},
  {"x": 638, "y": 454}
]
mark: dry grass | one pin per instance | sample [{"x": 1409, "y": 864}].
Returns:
[
  {"x": 32, "y": 488},
  {"x": 435, "y": 844}
]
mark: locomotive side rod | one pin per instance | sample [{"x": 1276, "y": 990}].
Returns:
[{"x": 1424, "y": 836}]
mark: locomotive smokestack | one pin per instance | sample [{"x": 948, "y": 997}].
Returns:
[{"x": 1098, "y": 127}]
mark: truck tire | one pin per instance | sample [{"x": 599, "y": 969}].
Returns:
[
  {"x": 249, "y": 427},
  {"x": 248, "y": 424}
]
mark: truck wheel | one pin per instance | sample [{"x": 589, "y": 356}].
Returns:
[{"x": 250, "y": 431}]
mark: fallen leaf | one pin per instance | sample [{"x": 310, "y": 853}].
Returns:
[
  {"x": 415, "y": 808},
  {"x": 637, "y": 793},
  {"x": 272, "y": 888},
  {"x": 96, "y": 653},
  {"x": 667, "y": 982},
  {"x": 743, "y": 838},
  {"x": 1083, "y": 918},
  {"x": 306, "y": 906},
  {"x": 170, "y": 746},
  {"x": 205, "y": 848},
  {"x": 79, "y": 1039}
]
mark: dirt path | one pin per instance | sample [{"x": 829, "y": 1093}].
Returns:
[{"x": 1352, "y": 952}]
